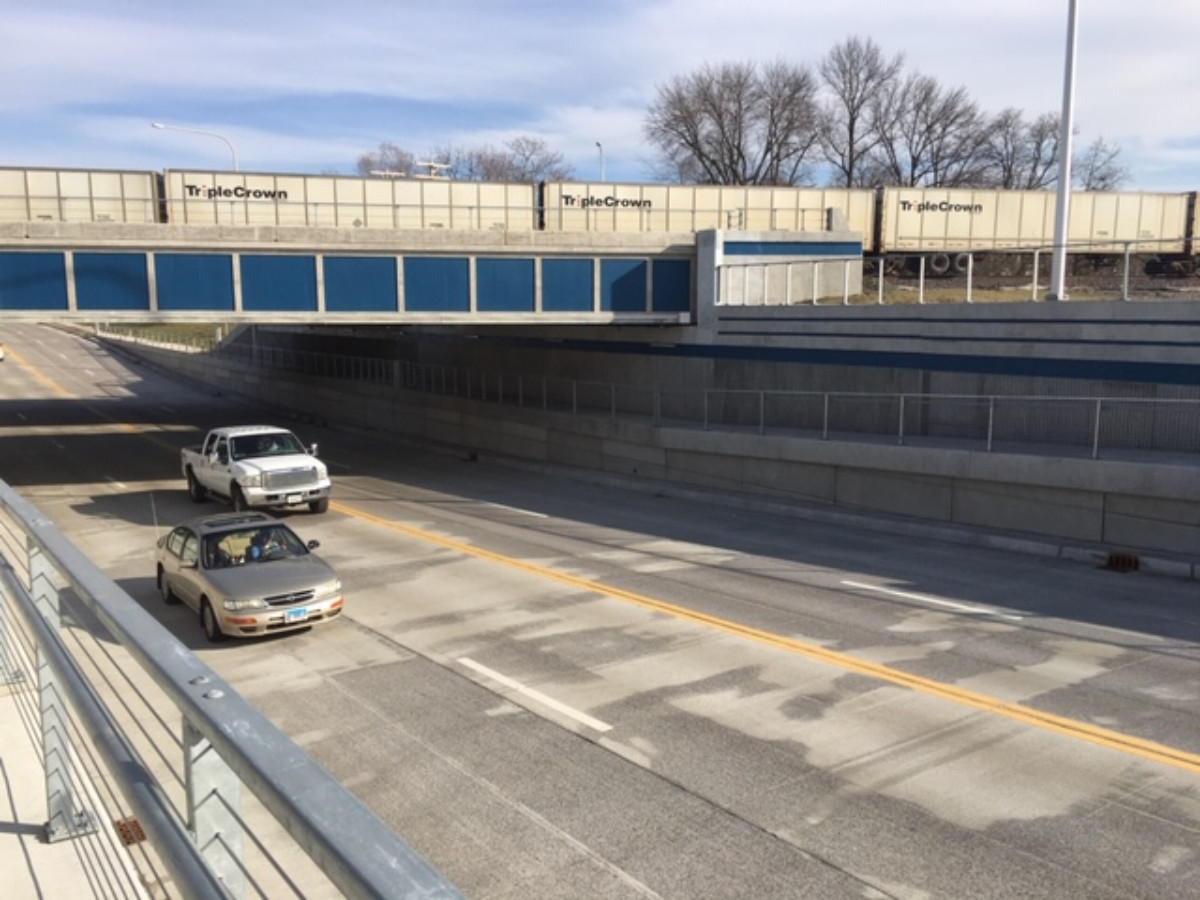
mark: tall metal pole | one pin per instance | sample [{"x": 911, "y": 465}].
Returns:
[
  {"x": 600, "y": 147},
  {"x": 1058, "y": 270},
  {"x": 212, "y": 134}
]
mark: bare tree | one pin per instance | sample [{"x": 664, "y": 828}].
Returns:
[
  {"x": 929, "y": 136},
  {"x": 1020, "y": 155},
  {"x": 388, "y": 158},
  {"x": 855, "y": 72},
  {"x": 1096, "y": 169},
  {"x": 735, "y": 124},
  {"x": 522, "y": 159}
]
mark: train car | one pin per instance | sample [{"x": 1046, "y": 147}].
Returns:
[
  {"x": 945, "y": 225},
  {"x": 78, "y": 195},
  {"x": 620, "y": 207},
  {"x": 328, "y": 201}
]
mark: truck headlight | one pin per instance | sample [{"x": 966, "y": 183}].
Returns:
[{"x": 253, "y": 481}]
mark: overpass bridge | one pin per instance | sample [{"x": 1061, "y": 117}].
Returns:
[{"x": 116, "y": 271}]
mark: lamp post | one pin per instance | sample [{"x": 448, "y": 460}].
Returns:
[
  {"x": 212, "y": 134},
  {"x": 1058, "y": 268},
  {"x": 600, "y": 147}
]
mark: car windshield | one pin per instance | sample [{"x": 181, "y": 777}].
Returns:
[
  {"x": 252, "y": 446},
  {"x": 267, "y": 543}
]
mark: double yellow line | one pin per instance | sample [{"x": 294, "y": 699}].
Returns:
[{"x": 1103, "y": 737}]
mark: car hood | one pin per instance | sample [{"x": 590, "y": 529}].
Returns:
[{"x": 266, "y": 579}]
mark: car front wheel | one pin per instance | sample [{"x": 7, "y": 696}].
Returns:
[
  {"x": 164, "y": 588},
  {"x": 208, "y": 620}
]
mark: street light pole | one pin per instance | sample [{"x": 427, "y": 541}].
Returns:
[
  {"x": 1058, "y": 269},
  {"x": 212, "y": 134},
  {"x": 600, "y": 147}
]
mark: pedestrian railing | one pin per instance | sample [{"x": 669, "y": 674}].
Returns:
[{"x": 171, "y": 782}]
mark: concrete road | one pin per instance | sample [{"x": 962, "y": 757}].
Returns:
[{"x": 561, "y": 688}]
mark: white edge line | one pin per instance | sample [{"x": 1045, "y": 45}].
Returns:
[
  {"x": 535, "y": 695},
  {"x": 933, "y": 601},
  {"x": 517, "y": 509}
]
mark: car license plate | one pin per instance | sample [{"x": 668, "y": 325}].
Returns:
[
  {"x": 293, "y": 499},
  {"x": 296, "y": 615}
]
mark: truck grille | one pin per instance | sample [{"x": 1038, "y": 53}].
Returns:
[{"x": 289, "y": 478}]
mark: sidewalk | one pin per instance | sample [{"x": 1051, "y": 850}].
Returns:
[{"x": 30, "y": 867}]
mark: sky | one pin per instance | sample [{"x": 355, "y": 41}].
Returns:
[{"x": 307, "y": 86}]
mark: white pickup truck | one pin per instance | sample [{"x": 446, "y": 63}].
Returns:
[{"x": 256, "y": 466}]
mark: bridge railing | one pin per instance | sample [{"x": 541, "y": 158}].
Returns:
[{"x": 147, "y": 751}]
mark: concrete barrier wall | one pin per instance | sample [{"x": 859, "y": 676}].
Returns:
[{"x": 1126, "y": 506}]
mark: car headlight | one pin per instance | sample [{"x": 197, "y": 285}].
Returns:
[
  {"x": 233, "y": 605},
  {"x": 328, "y": 590},
  {"x": 253, "y": 480}
]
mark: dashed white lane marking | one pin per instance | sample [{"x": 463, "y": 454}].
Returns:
[
  {"x": 933, "y": 601},
  {"x": 524, "y": 512},
  {"x": 535, "y": 695}
]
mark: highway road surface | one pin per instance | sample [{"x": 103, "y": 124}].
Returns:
[{"x": 567, "y": 687}]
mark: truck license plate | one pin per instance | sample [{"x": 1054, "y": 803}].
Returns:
[
  {"x": 293, "y": 499},
  {"x": 296, "y": 615}
]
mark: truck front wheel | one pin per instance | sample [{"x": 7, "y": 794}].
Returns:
[
  {"x": 195, "y": 489},
  {"x": 319, "y": 506},
  {"x": 238, "y": 499}
]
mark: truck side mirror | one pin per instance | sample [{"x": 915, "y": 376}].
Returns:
[{"x": 313, "y": 450}]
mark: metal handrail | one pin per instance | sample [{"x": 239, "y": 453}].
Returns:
[{"x": 357, "y": 851}]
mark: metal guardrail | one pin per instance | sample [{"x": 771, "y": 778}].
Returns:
[
  {"x": 69, "y": 638},
  {"x": 1066, "y": 425},
  {"x": 1013, "y": 275}
]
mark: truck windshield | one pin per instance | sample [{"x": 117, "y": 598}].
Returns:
[{"x": 252, "y": 446}]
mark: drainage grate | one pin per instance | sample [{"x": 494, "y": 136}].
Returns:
[
  {"x": 1123, "y": 562},
  {"x": 130, "y": 831}
]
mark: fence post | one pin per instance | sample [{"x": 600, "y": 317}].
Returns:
[
  {"x": 705, "y": 420},
  {"x": 846, "y": 283},
  {"x": 991, "y": 422},
  {"x": 1096, "y": 431},
  {"x": 1125, "y": 276},
  {"x": 900, "y": 436},
  {"x": 213, "y": 803},
  {"x": 816, "y": 284},
  {"x": 970, "y": 274},
  {"x": 65, "y": 818},
  {"x": 1036, "y": 262},
  {"x": 825, "y": 420},
  {"x": 762, "y": 412}
]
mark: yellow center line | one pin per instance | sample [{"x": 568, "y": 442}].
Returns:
[
  {"x": 1104, "y": 737},
  {"x": 52, "y": 385}
]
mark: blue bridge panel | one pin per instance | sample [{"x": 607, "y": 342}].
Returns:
[
  {"x": 192, "y": 282},
  {"x": 111, "y": 281},
  {"x": 623, "y": 285},
  {"x": 360, "y": 284},
  {"x": 567, "y": 285},
  {"x": 437, "y": 284},
  {"x": 33, "y": 281},
  {"x": 672, "y": 285},
  {"x": 279, "y": 283},
  {"x": 504, "y": 285}
]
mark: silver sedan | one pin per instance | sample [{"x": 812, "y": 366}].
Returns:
[{"x": 246, "y": 574}]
